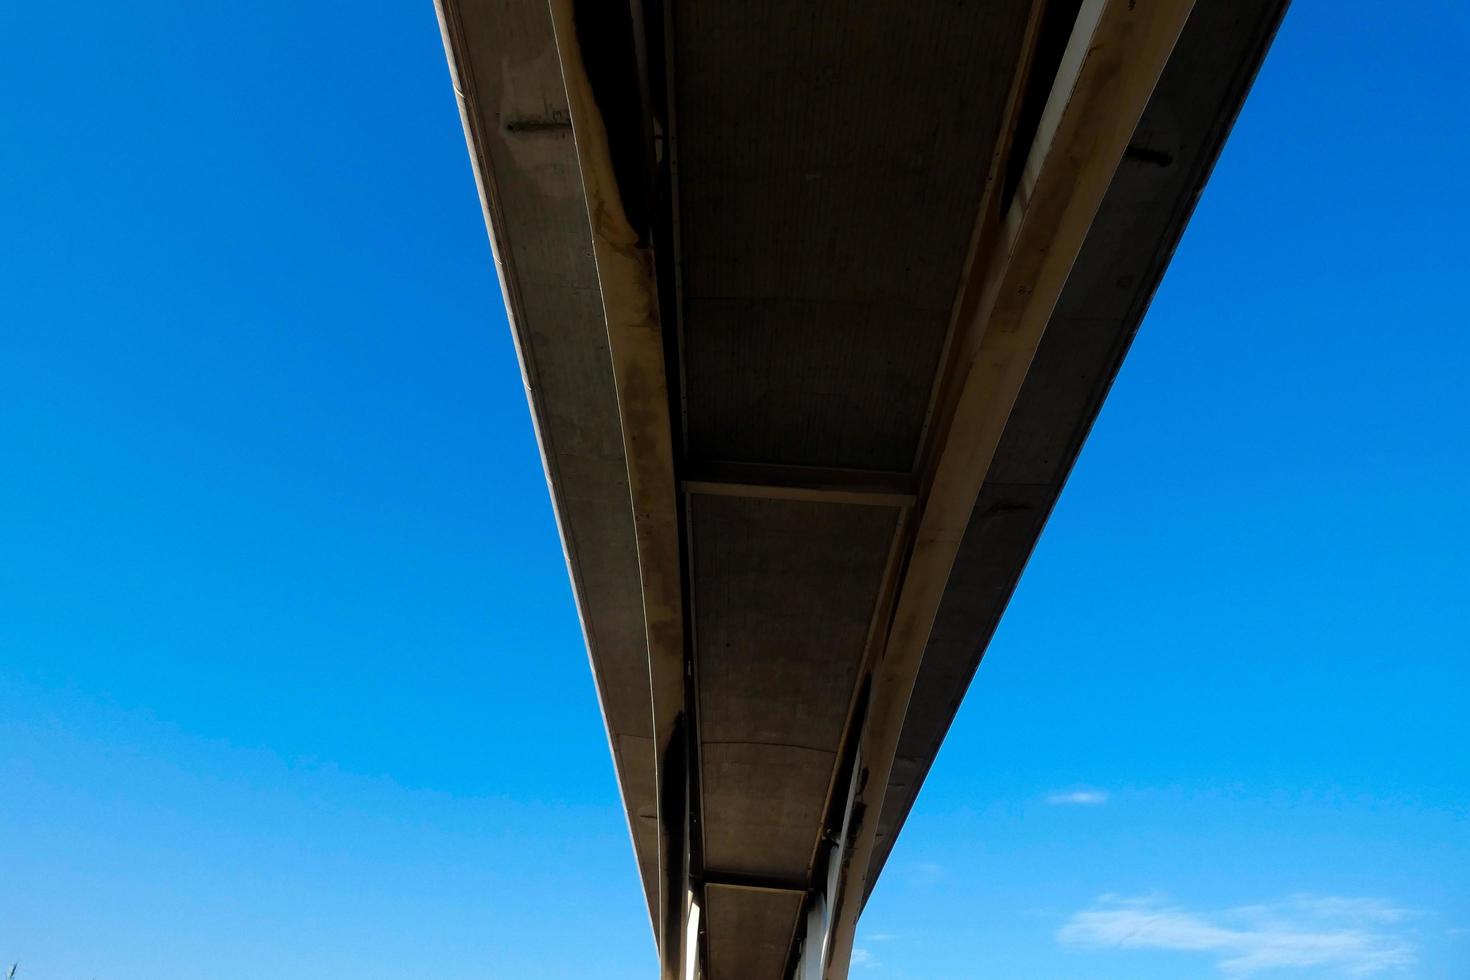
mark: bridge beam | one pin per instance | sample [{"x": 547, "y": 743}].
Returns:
[
  {"x": 1112, "y": 63},
  {"x": 626, "y": 272}
]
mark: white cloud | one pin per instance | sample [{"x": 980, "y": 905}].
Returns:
[
  {"x": 862, "y": 957},
  {"x": 1348, "y": 935},
  {"x": 923, "y": 872},
  {"x": 1337, "y": 907},
  {"x": 1081, "y": 797}
]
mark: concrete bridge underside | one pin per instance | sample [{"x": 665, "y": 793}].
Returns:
[{"x": 815, "y": 305}]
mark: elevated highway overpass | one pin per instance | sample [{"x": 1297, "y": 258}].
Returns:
[{"x": 815, "y": 305}]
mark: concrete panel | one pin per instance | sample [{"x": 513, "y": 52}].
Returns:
[
  {"x": 831, "y": 158},
  {"x": 749, "y": 932},
  {"x": 783, "y": 595},
  {"x": 763, "y": 806}
]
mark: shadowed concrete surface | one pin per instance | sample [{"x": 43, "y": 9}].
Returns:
[{"x": 815, "y": 305}]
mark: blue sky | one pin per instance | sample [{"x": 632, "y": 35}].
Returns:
[{"x": 292, "y": 684}]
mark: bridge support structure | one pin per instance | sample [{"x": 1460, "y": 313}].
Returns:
[{"x": 797, "y": 477}]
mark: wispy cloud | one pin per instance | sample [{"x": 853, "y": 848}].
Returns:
[
  {"x": 1078, "y": 797},
  {"x": 1353, "y": 936},
  {"x": 864, "y": 957},
  {"x": 922, "y": 872}
]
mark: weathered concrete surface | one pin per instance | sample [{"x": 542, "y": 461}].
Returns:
[{"x": 508, "y": 77}]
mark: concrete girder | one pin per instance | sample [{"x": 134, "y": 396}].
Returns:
[
  {"x": 1117, "y": 50},
  {"x": 625, "y": 270}
]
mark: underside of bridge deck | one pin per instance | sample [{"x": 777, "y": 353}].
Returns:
[{"x": 815, "y": 305}]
